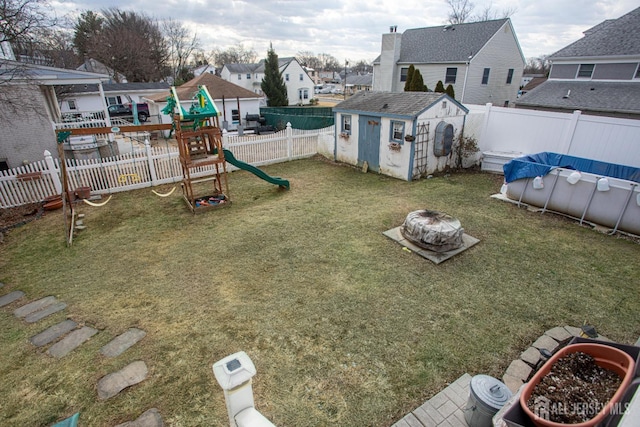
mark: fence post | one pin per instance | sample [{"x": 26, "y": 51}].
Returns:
[
  {"x": 289, "y": 133},
  {"x": 152, "y": 166},
  {"x": 485, "y": 125},
  {"x": 569, "y": 132},
  {"x": 53, "y": 172}
]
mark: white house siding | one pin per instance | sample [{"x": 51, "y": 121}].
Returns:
[
  {"x": 26, "y": 139},
  {"x": 294, "y": 70},
  {"x": 90, "y": 101},
  {"x": 247, "y": 106},
  {"x": 499, "y": 55}
]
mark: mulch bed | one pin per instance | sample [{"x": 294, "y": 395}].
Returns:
[
  {"x": 14, "y": 217},
  {"x": 575, "y": 389}
]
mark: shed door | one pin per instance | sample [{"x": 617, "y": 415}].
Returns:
[{"x": 369, "y": 142}]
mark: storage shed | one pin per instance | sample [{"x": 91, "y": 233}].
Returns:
[{"x": 405, "y": 135}]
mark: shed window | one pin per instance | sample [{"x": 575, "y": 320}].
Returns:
[
  {"x": 450, "y": 77},
  {"x": 485, "y": 76},
  {"x": 586, "y": 70},
  {"x": 509, "y": 76},
  {"x": 444, "y": 139},
  {"x": 286, "y": 77},
  {"x": 72, "y": 104},
  {"x": 403, "y": 74},
  {"x": 397, "y": 131},
  {"x": 346, "y": 123}
]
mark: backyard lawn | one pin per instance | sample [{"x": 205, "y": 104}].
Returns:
[{"x": 344, "y": 327}]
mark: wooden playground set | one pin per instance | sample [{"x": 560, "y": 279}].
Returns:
[{"x": 199, "y": 137}]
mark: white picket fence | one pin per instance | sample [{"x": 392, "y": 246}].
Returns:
[{"x": 147, "y": 167}]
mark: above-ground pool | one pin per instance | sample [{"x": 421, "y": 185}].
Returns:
[{"x": 602, "y": 193}]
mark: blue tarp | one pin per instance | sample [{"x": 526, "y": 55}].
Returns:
[{"x": 542, "y": 163}]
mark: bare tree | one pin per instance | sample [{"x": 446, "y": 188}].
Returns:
[
  {"x": 309, "y": 59},
  {"x": 21, "y": 20},
  {"x": 538, "y": 65},
  {"x": 329, "y": 62},
  {"x": 127, "y": 42},
  {"x": 460, "y": 11},
  {"x": 181, "y": 46},
  {"x": 234, "y": 55}
]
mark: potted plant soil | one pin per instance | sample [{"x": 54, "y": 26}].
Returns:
[{"x": 578, "y": 386}]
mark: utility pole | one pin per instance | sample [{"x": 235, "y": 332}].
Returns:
[{"x": 345, "y": 78}]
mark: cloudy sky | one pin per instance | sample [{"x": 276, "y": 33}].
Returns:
[{"x": 352, "y": 29}]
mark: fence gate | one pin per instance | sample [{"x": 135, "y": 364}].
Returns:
[{"x": 421, "y": 152}]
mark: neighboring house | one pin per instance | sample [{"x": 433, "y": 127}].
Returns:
[
  {"x": 404, "y": 135},
  {"x": 482, "y": 60},
  {"x": 30, "y": 106},
  {"x": 94, "y": 66},
  {"x": 598, "y": 74},
  {"x": 87, "y": 98},
  {"x": 233, "y": 102},
  {"x": 358, "y": 82},
  {"x": 206, "y": 68},
  {"x": 249, "y": 76},
  {"x": 531, "y": 84}
]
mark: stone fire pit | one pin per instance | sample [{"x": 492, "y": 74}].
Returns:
[
  {"x": 433, "y": 230},
  {"x": 434, "y": 235}
]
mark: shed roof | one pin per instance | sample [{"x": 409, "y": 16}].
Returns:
[
  {"x": 409, "y": 104},
  {"x": 120, "y": 87},
  {"x": 614, "y": 97},
  {"x": 18, "y": 71},
  {"x": 617, "y": 37},
  {"x": 218, "y": 88}
]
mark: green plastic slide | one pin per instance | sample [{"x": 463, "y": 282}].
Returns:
[{"x": 229, "y": 157}]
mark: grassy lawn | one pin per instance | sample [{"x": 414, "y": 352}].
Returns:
[{"x": 344, "y": 327}]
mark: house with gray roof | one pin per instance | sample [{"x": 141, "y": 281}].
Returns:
[
  {"x": 598, "y": 74},
  {"x": 249, "y": 76},
  {"x": 481, "y": 60},
  {"x": 405, "y": 135}
]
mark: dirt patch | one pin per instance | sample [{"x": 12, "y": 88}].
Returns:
[
  {"x": 575, "y": 389},
  {"x": 13, "y": 217}
]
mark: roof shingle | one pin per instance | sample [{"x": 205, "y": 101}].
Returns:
[{"x": 409, "y": 104}]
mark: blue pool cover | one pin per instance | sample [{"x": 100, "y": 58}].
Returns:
[{"x": 542, "y": 163}]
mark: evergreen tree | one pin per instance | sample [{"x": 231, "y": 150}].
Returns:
[
  {"x": 449, "y": 91},
  {"x": 417, "y": 83},
  {"x": 407, "y": 83},
  {"x": 273, "y": 84},
  {"x": 439, "y": 87}
]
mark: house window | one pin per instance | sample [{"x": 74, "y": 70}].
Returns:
[
  {"x": 637, "y": 72},
  {"x": 256, "y": 76},
  {"x": 72, "y": 104},
  {"x": 509, "y": 76},
  {"x": 346, "y": 124},
  {"x": 403, "y": 74},
  {"x": 397, "y": 131},
  {"x": 586, "y": 70},
  {"x": 239, "y": 76},
  {"x": 112, "y": 100},
  {"x": 443, "y": 140},
  {"x": 248, "y": 76},
  {"x": 301, "y": 78},
  {"x": 485, "y": 76},
  {"x": 303, "y": 93},
  {"x": 450, "y": 77},
  {"x": 286, "y": 77}
]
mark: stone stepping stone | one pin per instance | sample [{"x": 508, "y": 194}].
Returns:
[
  {"x": 34, "y": 306},
  {"x": 71, "y": 342},
  {"x": 47, "y": 311},
  {"x": 112, "y": 384},
  {"x": 53, "y": 333},
  {"x": 121, "y": 343},
  {"x": 150, "y": 418},
  {"x": 10, "y": 297}
]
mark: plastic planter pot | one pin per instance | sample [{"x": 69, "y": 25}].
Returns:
[{"x": 606, "y": 357}]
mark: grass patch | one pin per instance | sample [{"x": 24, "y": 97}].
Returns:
[{"x": 345, "y": 328}]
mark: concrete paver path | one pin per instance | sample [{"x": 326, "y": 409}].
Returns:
[
  {"x": 71, "y": 342},
  {"x": 34, "y": 306},
  {"x": 114, "y": 383},
  {"x": 122, "y": 342},
  {"x": 10, "y": 297},
  {"x": 53, "y": 333}
]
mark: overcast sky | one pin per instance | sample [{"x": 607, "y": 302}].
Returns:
[{"x": 352, "y": 29}]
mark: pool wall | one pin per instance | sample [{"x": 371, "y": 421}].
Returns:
[{"x": 595, "y": 198}]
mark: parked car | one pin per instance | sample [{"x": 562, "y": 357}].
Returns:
[
  {"x": 126, "y": 110},
  {"x": 326, "y": 89}
]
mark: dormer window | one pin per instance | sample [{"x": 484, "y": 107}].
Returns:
[{"x": 585, "y": 71}]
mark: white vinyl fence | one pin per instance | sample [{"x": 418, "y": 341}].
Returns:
[{"x": 150, "y": 166}]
